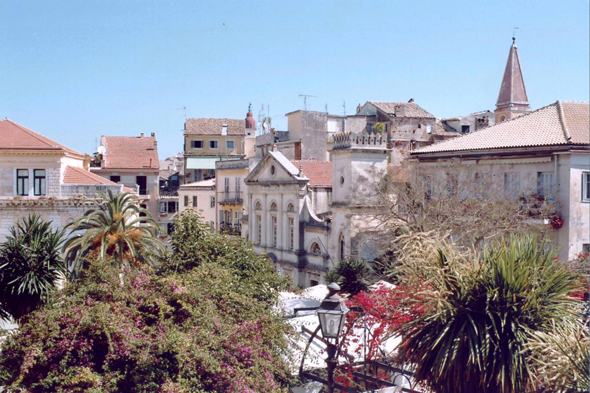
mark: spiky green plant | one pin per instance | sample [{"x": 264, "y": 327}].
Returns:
[
  {"x": 116, "y": 227},
  {"x": 30, "y": 266},
  {"x": 353, "y": 276},
  {"x": 474, "y": 332}
]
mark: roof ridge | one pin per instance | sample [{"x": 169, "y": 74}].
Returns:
[{"x": 563, "y": 122}]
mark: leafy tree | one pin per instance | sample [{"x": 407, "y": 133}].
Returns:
[
  {"x": 30, "y": 266},
  {"x": 199, "y": 324},
  {"x": 480, "y": 310},
  {"x": 116, "y": 227},
  {"x": 353, "y": 276}
]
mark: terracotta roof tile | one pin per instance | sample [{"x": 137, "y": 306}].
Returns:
[
  {"x": 318, "y": 172},
  {"x": 13, "y": 136},
  {"x": 209, "y": 126},
  {"x": 412, "y": 109},
  {"x": 544, "y": 127},
  {"x": 129, "y": 152},
  {"x": 75, "y": 175}
]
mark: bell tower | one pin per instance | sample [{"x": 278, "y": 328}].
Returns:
[{"x": 512, "y": 100}]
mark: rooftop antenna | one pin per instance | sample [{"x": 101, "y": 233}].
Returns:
[
  {"x": 514, "y": 34},
  {"x": 305, "y": 100},
  {"x": 344, "y": 107},
  {"x": 326, "y": 108},
  {"x": 184, "y": 111}
]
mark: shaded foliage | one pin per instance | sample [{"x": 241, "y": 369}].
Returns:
[
  {"x": 352, "y": 275},
  {"x": 30, "y": 266}
]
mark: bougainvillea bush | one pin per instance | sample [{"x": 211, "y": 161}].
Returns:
[{"x": 186, "y": 328}]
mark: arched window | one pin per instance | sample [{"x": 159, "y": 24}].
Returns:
[
  {"x": 315, "y": 248},
  {"x": 258, "y": 206},
  {"x": 341, "y": 251},
  {"x": 290, "y": 208},
  {"x": 273, "y": 207}
]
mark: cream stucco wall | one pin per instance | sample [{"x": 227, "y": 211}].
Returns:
[
  {"x": 221, "y": 150},
  {"x": 204, "y": 205}
]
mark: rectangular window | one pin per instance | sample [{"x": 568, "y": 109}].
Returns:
[
  {"x": 115, "y": 179},
  {"x": 141, "y": 181},
  {"x": 163, "y": 207},
  {"x": 545, "y": 184},
  {"x": 194, "y": 201},
  {"x": 512, "y": 183},
  {"x": 172, "y": 207},
  {"x": 197, "y": 144},
  {"x": 39, "y": 181},
  {"x": 258, "y": 229},
  {"x": 586, "y": 186},
  {"x": 274, "y": 231},
  {"x": 226, "y": 184},
  {"x": 230, "y": 145},
  {"x": 185, "y": 200},
  {"x": 212, "y": 201},
  {"x": 143, "y": 206},
  {"x": 291, "y": 233},
  {"x": 213, "y": 145},
  {"x": 22, "y": 182},
  {"x": 465, "y": 129},
  {"x": 238, "y": 216}
]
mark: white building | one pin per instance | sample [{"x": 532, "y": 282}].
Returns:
[
  {"x": 41, "y": 176},
  {"x": 544, "y": 152},
  {"x": 201, "y": 197}
]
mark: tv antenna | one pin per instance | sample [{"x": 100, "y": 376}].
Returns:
[
  {"x": 305, "y": 96},
  {"x": 182, "y": 109},
  {"x": 344, "y": 107}
]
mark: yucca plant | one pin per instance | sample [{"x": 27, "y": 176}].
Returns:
[
  {"x": 116, "y": 227},
  {"x": 353, "y": 276},
  {"x": 30, "y": 266},
  {"x": 473, "y": 336}
]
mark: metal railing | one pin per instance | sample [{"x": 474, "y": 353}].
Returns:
[{"x": 230, "y": 197}]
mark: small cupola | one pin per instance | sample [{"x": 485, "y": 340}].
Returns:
[{"x": 250, "y": 122}]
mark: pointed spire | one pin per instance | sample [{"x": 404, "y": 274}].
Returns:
[
  {"x": 512, "y": 100},
  {"x": 512, "y": 90}
]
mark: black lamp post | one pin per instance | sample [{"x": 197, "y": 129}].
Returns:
[{"x": 331, "y": 314}]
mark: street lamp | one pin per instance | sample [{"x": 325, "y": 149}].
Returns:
[{"x": 331, "y": 314}]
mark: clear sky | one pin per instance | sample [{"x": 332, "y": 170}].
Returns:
[{"x": 75, "y": 70}]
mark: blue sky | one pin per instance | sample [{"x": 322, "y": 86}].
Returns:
[{"x": 75, "y": 70}]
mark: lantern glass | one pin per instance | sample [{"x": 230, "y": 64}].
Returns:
[{"x": 331, "y": 323}]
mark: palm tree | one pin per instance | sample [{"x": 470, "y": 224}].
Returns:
[
  {"x": 474, "y": 333},
  {"x": 353, "y": 276},
  {"x": 30, "y": 266},
  {"x": 116, "y": 227}
]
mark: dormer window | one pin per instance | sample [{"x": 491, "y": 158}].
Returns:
[{"x": 224, "y": 129}]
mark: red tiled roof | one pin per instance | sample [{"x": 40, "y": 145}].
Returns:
[
  {"x": 318, "y": 172},
  {"x": 75, "y": 175},
  {"x": 13, "y": 136},
  {"x": 559, "y": 124},
  {"x": 210, "y": 126},
  {"x": 130, "y": 152}
]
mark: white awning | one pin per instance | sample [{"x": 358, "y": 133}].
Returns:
[{"x": 201, "y": 162}]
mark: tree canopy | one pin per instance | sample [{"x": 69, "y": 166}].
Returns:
[{"x": 202, "y": 322}]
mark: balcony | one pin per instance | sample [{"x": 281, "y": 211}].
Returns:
[
  {"x": 234, "y": 229},
  {"x": 230, "y": 198}
]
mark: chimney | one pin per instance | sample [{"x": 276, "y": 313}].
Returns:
[
  {"x": 153, "y": 134},
  {"x": 142, "y": 134},
  {"x": 400, "y": 110}
]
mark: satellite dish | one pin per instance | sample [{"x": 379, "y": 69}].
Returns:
[{"x": 101, "y": 150}]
